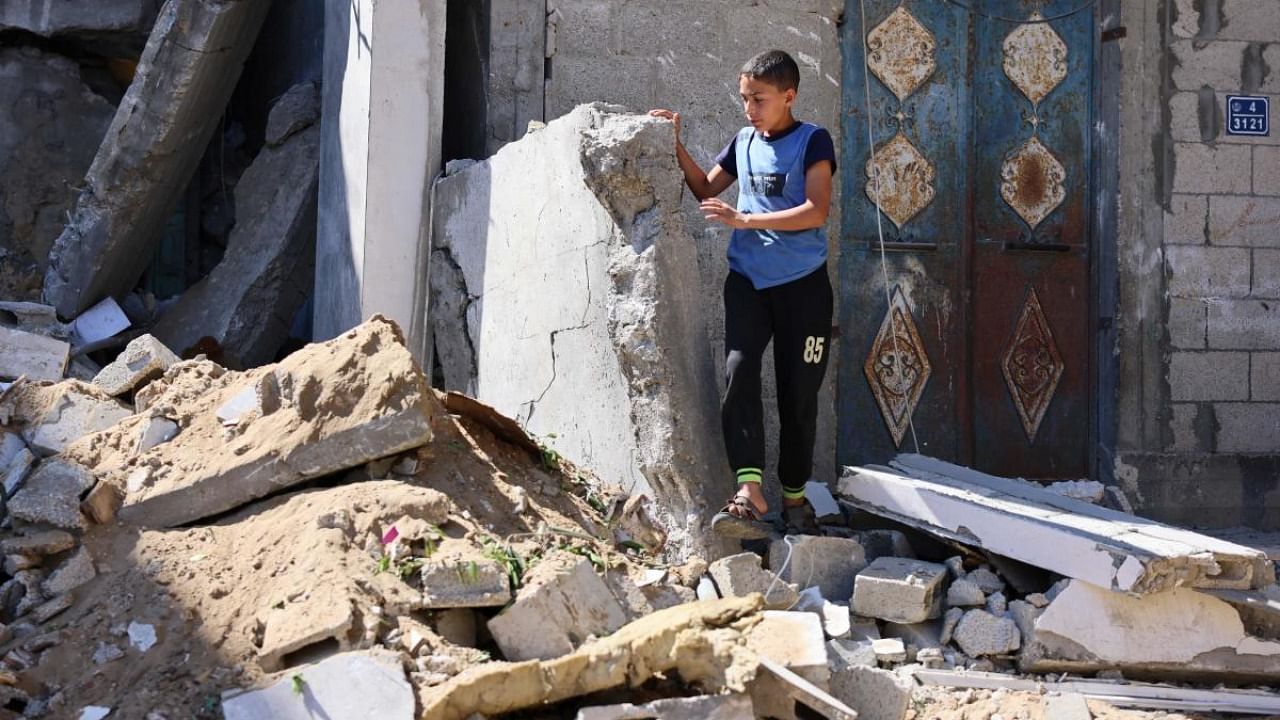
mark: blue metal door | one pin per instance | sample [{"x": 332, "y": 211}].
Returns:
[{"x": 969, "y": 336}]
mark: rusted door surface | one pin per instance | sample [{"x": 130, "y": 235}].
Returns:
[{"x": 976, "y": 347}]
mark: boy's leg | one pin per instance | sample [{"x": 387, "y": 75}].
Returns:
[
  {"x": 747, "y": 328},
  {"x": 802, "y": 342}
]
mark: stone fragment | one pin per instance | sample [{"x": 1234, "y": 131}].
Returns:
[
  {"x": 562, "y": 603},
  {"x": 851, "y": 652},
  {"x": 328, "y": 407},
  {"x": 740, "y": 575},
  {"x": 94, "y": 712},
  {"x": 835, "y": 620},
  {"x": 107, "y": 652},
  {"x": 104, "y": 320},
  {"x": 874, "y": 693},
  {"x": 154, "y": 431},
  {"x": 464, "y": 582},
  {"x": 828, "y": 563},
  {"x": 997, "y": 604},
  {"x": 702, "y": 707},
  {"x": 949, "y": 623},
  {"x": 102, "y": 503},
  {"x": 955, "y": 566},
  {"x": 71, "y": 574},
  {"x": 1090, "y": 491},
  {"x": 52, "y": 494},
  {"x": 11, "y": 445},
  {"x": 706, "y": 589},
  {"x": 965, "y": 593},
  {"x": 320, "y": 617},
  {"x": 16, "y": 563},
  {"x": 141, "y": 635},
  {"x": 932, "y": 658},
  {"x": 864, "y": 629},
  {"x": 74, "y": 409},
  {"x": 823, "y": 502},
  {"x": 144, "y": 359},
  {"x": 247, "y": 303},
  {"x": 900, "y": 590},
  {"x": 17, "y": 471},
  {"x": 349, "y": 686},
  {"x": 45, "y": 542},
  {"x": 889, "y": 650},
  {"x": 980, "y": 633},
  {"x": 795, "y": 641},
  {"x": 119, "y": 25},
  {"x": 50, "y": 609},
  {"x": 922, "y": 635},
  {"x": 986, "y": 580},
  {"x": 184, "y": 78},
  {"x": 1038, "y": 599},
  {"x": 35, "y": 356}
]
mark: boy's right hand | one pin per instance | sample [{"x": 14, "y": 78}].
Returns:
[{"x": 674, "y": 117}]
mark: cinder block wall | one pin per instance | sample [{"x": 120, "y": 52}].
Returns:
[{"x": 1206, "y": 450}]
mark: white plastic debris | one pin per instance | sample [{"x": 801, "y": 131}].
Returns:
[
  {"x": 142, "y": 635},
  {"x": 94, "y": 712},
  {"x": 99, "y": 322}
]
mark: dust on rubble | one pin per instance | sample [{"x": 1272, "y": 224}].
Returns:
[
  {"x": 213, "y": 592},
  {"x": 943, "y": 703}
]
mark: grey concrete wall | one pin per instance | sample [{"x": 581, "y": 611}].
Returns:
[
  {"x": 565, "y": 292},
  {"x": 1199, "y": 393},
  {"x": 684, "y": 55},
  {"x": 381, "y": 121}
]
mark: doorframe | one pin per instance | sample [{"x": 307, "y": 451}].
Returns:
[{"x": 1104, "y": 303}]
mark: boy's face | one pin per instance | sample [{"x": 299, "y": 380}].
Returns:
[{"x": 767, "y": 108}]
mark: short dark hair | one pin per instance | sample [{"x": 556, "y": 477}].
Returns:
[{"x": 774, "y": 67}]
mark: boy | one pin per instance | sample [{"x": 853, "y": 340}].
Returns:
[{"x": 777, "y": 285}]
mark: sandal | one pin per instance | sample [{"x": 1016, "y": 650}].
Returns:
[
  {"x": 800, "y": 519},
  {"x": 746, "y": 525}
]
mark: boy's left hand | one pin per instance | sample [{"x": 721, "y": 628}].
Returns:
[{"x": 717, "y": 210}]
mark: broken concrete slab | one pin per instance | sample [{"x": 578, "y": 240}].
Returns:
[
  {"x": 979, "y": 633},
  {"x": 702, "y": 707},
  {"x": 1067, "y": 536},
  {"x": 16, "y": 472},
  {"x": 71, "y": 574},
  {"x": 889, "y": 651},
  {"x": 782, "y": 694},
  {"x": 795, "y": 641},
  {"x": 562, "y": 603},
  {"x": 1065, "y": 706},
  {"x": 104, "y": 320},
  {"x": 43, "y": 542},
  {"x": 874, "y": 693},
  {"x": 1177, "y": 634},
  {"x": 144, "y": 359},
  {"x": 851, "y": 652},
  {"x": 463, "y": 578},
  {"x": 154, "y": 431},
  {"x": 328, "y": 407},
  {"x": 295, "y": 111},
  {"x": 348, "y": 686},
  {"x": 321, "y": 617},
  {"x": 740, "y": 575},
  {"x": 247, "y": 303},
  {"x": 878, "y": 543},
  {"x": 828, "y": 563},
  {"x": 900, "y": 590},
  {"x": 35, "y": 356},
  {"x": 73, "y": 409},
  {"x": 188, "y": 69},
  {"x": 52, "y": 494},
  {"x": 637, "y": 401},
  {"x": 916, "y": 636},
  {"x": 118, "y": 26}
]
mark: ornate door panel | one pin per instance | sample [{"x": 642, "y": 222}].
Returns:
[{"x": 988, "y": 269}]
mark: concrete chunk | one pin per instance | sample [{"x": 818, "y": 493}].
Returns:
[
  {"x": 52, "y": 494},
  {"x": 319, "y": 617},
  {"x": 35, "y": 356},
  {"x": 981, "y": 633},
  {"x": 104, "y": 320},
  {"x": 11, "y": 445},
  {"x": 71, "y": 574},
  {"x": 828, "y": 563},
  {"x": 349, "y": 686},
  {"x": 900, "y": 590},
  {"x": 851, "y": 652},
  {"x": 17, "y": 470},
  {"x": 464, "y": 583},
  {"x": 965, "y": 593},
  {"x": 874, "y": 693},
  {"x": 795, "y": 641},
  {"x": 144, "y": 359},
  {"x": 703, "y": 707},
  {"x": 46, "y": 542},
  {"x": 327, "y": 407},
  {"x": 1066, "y": 706},
  {"x": 740, "y": 575},
  {"x": 562, "y": 603},
  {"x": 102, "y": 503},
  {"x": 986, "y": 580},
  {"x": 75, "y": 409},
  {"x": 889, "y": 650}
]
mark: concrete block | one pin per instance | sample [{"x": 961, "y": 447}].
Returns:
[
  {"x": 1247, "y": 427},
  {"x": 1216, "y": 64},
  {"x": 1271, "y": 83},
  {"x": 965, "y": 593},
  {"x": 316, "y": 620},
  {"x": 703, "y": 707},
  {"x": 17, "y": 470},
  {"x": 1065, "y": 706},
  {"x": 1180, "y": 634},
  {"x": 828, "y": 563},
  {"x": 1188, "y": 323},
  {"x": 1188, "y": 19},
  {"x": 144, "y": 359},
  {"x": 463, "y": 581},
  {"x": 795, "y": 641},
  {"x": 562, "y": 603},
  {"x": 327, "y": 407},
  {"x": 1208, "y": 271},
  {"x": 889, "y": 650},
  {"x": 1189, "y": 218},
  {"x": 1251, "y": 20},
  {"x": 1201, "y": 376},
  {"x": 74, "y": 410},
  {"x": 1266, "y": 171},
  {"x": 35, "y": 356},
  {"x": 349, "y": 686},
  {"x": 1266, "y": 273},
  {"x": 1264, "y": 381},
  {"x": 1244, "y": 221},
  {"x": 844, "y": 653},
  {"x": 71, "y": 574},
  {"x": 740, "y": 575},
  {"x": 874, "y": 693},
  {"x": 1222, "y": 169},
  {"x": 1244, "y": 325},
  {"x": 52, "y": 494},
  {"x": 980, "y": 633},
  {"x": 900, "y": 590},
  {"x": 1184, "y": 126},
  {"x": 104, "y": 320}
]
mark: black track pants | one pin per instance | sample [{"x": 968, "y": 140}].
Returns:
[{"x": 797, "y": 317}]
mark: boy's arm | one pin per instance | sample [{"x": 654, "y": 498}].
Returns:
[
  {"x": 811, "y": 213},
  {"x": 703, "y": 185}
]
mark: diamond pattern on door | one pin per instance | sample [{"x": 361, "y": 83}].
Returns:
[
  {"x": 1032, "y": 365},
  {"x": 897, "y": 367}
]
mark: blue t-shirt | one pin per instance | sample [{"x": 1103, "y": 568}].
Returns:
[{"x": 771, "y": 174}]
